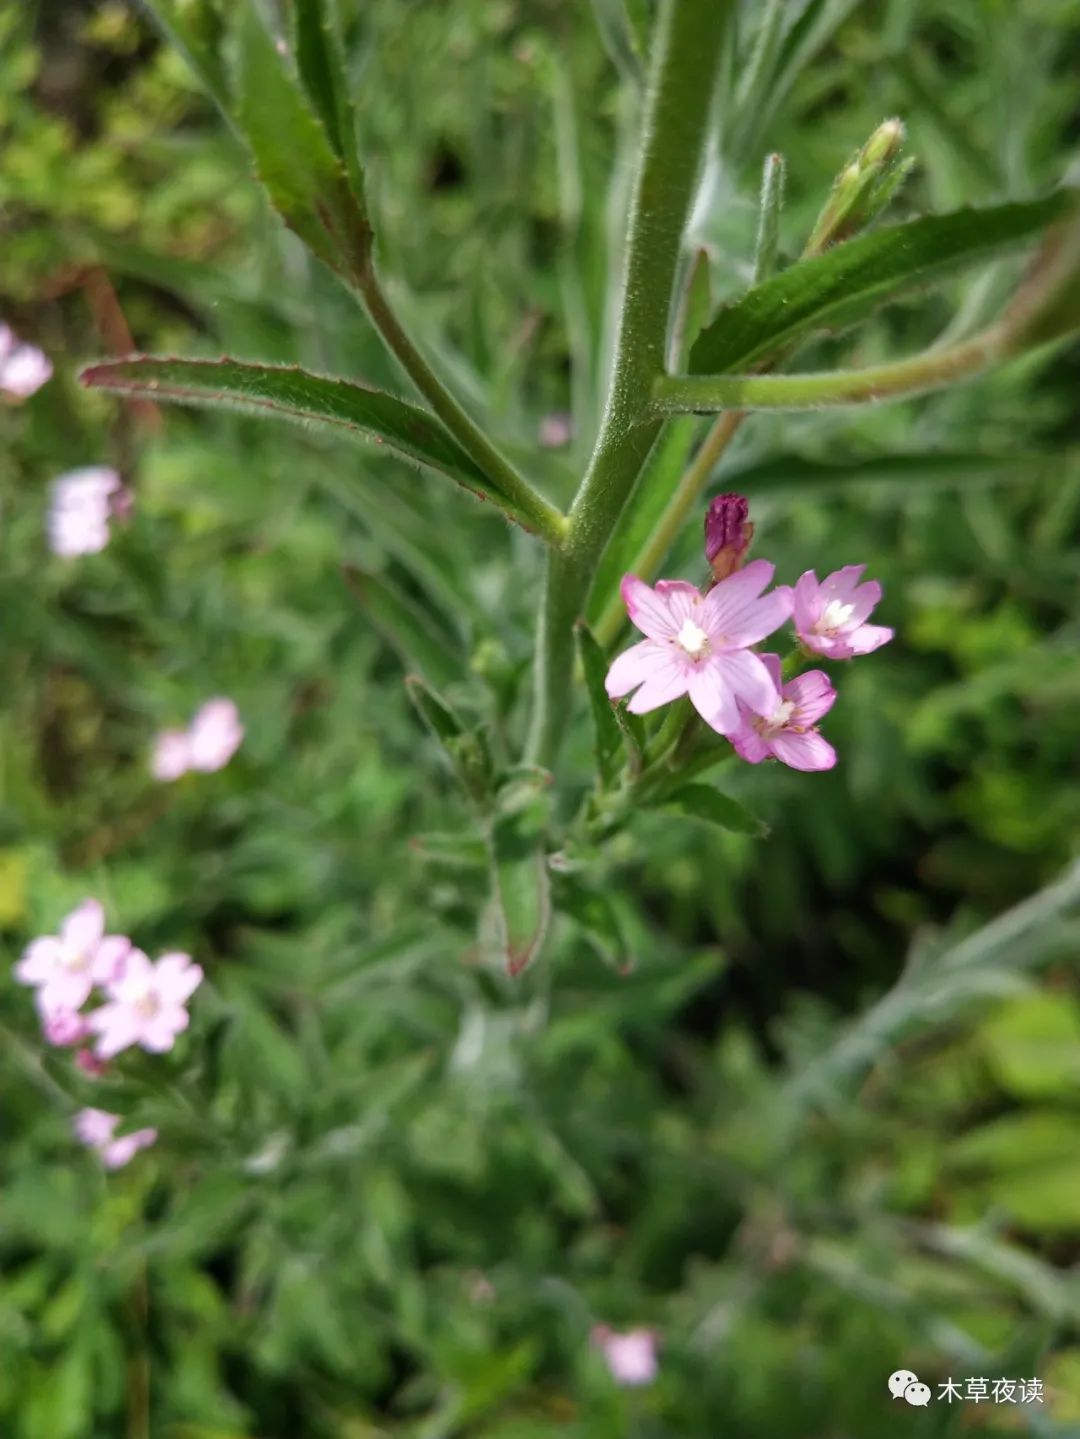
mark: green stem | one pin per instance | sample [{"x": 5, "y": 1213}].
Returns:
[
  {"x": 525, "y": 503},
  {"x": 702, "y": 394},
  {"x": 689, "y": 37}
]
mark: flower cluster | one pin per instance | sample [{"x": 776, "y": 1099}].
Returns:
[
  {"x": 209, "y": 742},
  {"x": 704, "y": 645},
  {"x": 144, "y": 1004},
  {"x": 83, "y": 503},
  {"x": 23, "y": 368}
]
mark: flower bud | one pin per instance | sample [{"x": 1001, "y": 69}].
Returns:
[
  {"x": 863, "y": 188},
  {"x": 728, "y": 533}
]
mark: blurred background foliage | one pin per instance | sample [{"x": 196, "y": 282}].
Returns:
[{"x": 394, "y": 1192}]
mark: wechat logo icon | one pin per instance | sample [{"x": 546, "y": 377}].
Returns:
[{"x": 905, "y": 1385}]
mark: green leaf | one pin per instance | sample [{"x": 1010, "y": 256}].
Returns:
[
  {"x": 519, "y": 913},
  {"x": 288, "y": 393},
  {"x": 320, "y": 58},
  {"x": 408, "y": 628},
  {"x": 619, "y": 38},
  {"x": 466, "y": 750},
  {"x": 306, "y": 181},
  {"x": 608, "y": 737},
  {"x": 197, "y": 31},
  {"x": 770, "y": 205},
  {"x": 850, "y": 280},
  {"x": 801, "y": 475},
  {"x": 1032, "y": 1046},
  {"x": 699, "y": 801}
]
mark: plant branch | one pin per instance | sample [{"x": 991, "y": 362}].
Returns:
[
  {"x": 545, "y": 519},
  {"x": 685, "y": 62}
]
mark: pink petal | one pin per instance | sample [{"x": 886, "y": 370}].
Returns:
[
  {"x": 634, "y": 666},
  {"x": 215, "y": 735},
  {"x": 868, "y": 638},
  {"x": 730, "y": 596},
  {"x": 748, "y": 678},
  {"x": 667, "y": 681},
  {"x": 749, "y": 745},
  {"x": 647, "y": 610},
  {"x": 159, "y": 1035},
  {"x": 862, "y": 600},
  {"x": 117, "y": 1026},
  {"x": 38, "y": 961},
  {"x": 112, "y": 953},
  {"x": 684, "y": 601},
  {"x": 66, "y": 990},
  {"x": 172, "y": 755},
  {"x": 24, "y": 370},
  {"x": 840, "y": 584},
  {"x": 84, "y": 926},
  {"x": 177, "y": 978},
  {"x": 119, "y": 1152},
  {"x": 94, "y": 1126},
  {"x": 808, "y": 603},
  {"x": 773, "y": 665},
  {"x": 812, "y": 695},
  {"x": 810, "y": 751},
  {"x": 713, "y": 699},
  {"x": 136, "y": 977}
]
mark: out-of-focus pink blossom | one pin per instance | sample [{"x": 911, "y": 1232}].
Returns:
[
  {"x": 64, "y": 1028},
  {"x": 89, "y": 1063},
  {"x": 208, "y": 743},
  {"x": 64, "y": 968},
  {"x": 95, "y": 1128},
  {"x": 699, "y": 645},
  {"x": 556, "y": 430},
  {"x": 146, "y": 1004},
  {"x": 830, "y": 616},
  {"x": 631, "y": 1357},
  {"x": 172, "y": 755},
  {"x": 23, "y": 368},
  {"x": 215, "y": 735},
  {"x": 790, "y": 733},
  {"x": 728, "y": 533},
  {"x": 83, "y": 502}
]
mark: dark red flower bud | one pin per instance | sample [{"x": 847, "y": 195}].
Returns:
[{"x": 728, "y": 533}]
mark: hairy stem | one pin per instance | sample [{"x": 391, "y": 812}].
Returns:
[
  {"x": 534, "y": 510},
  {"x": 689, "y": 37},
  {"x": 704, "y": 394}
]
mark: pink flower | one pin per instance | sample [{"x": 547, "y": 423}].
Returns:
[
  {"x": 65, "y": 1027},
  {"x": 699, "y": 645},
  {"x": 90, "y": 1065},
  {"x": 556, "y": 430},
  {"x": 83, "y": 503},
  {"x": 631, "y": 1357},
  {"x": 146, "y": 1004},
  {"x": 172, "y": 755},
  {"x": 209, "y": 742},
  {"x": 830, "y": 616},
  {"x": 23, "y": 368},
  {"x": 94, "y": 1128},
  {"x": 728, "y": 533},
  {"x": 215, "y": 735},
  {"x": 65, "y": 967},
  {"x": 790, "y": 733}
]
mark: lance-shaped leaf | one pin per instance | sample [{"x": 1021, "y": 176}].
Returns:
[
  {"x": 608, "y": 736},
  {"x": 307, "y": 182},
  {"x": 196, "y": 28},
  {"x": 833, "y": 290},
  {"x": 516, "y": 919},
  {"x": 289, "y": 393},
  {"x": 320, "y": 58},
  {"x": 467, "y": 750},
  {"x": 410, "y": 629},
  {"x": 701, "y": 801}
]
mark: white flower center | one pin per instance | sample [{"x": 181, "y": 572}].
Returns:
[
  {"x": 778, "y": 720},
  {"x": 75, "y": 961},
  {"x": 834, "y": 616},
  {"x": 148, "y": 1003},
  {"x": 693, "y": 639}
]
